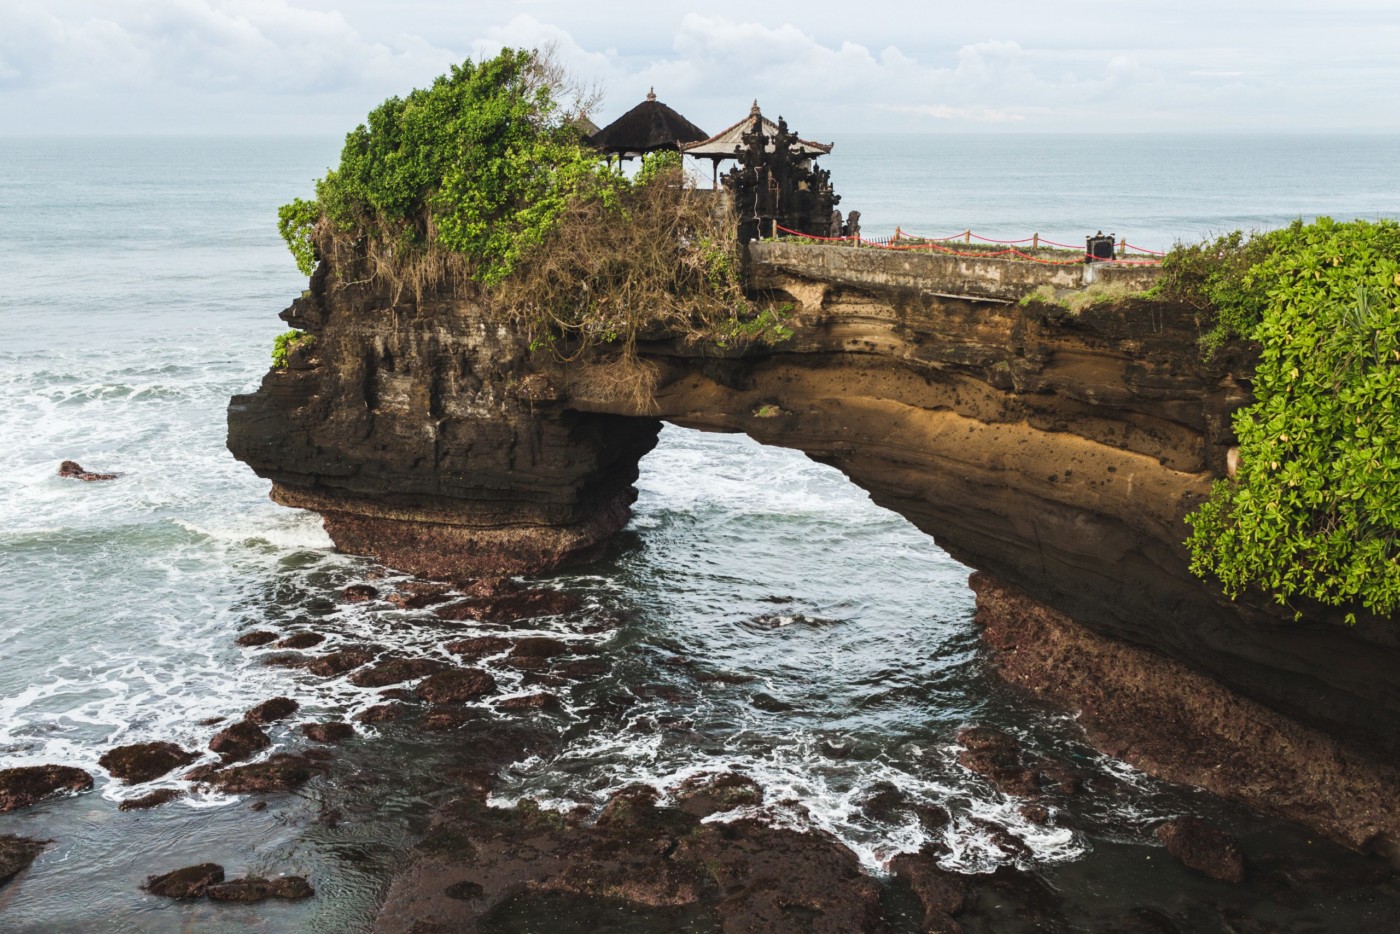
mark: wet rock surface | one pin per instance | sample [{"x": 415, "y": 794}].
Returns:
[
  {"x": 333, "y": 732},
  {"x": 254, "y": 889},
  {"x": 1203, "y": 848},
  {"x": 396, "y": 671},
  {"x": 338, "y": 663},
  {"x": 256, "y": 638},
  {"x": 239, "y": 741},
  {"x": 301, "y": 640},
  {"x": 153, "y": 800},
  {"x": 456, "y": 686},
  {"x": 16, "y": 853},
  {"x": 270, "y": 711},
  {"x": 191, "y": 882},
  {"x": 72, "y": 470},
  {"x": 501, "y": 604},
  {"x": 282, "y": 772},
  {"x": 745, "y": 876},
  {"x": 28, "y": 785},
  {"x": 142, "y": 762}
]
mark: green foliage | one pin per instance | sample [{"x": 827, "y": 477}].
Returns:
[
  {"x": 282, "y": 345},
  {"x": 480, "y": 163},
  {"x": 1314, "y": 511},
  {"x": 296, "y": 222}
]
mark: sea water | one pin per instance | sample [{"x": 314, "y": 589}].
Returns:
[{"x": 139, "y": 284}]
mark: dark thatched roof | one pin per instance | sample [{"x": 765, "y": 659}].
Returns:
[{"x": 649, "y": 126}]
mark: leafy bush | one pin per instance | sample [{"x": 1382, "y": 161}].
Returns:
[
  {"x": 484, "y": 177},
  {"x": 282, "y": 346},
  {"x": 1314, "y": 511}
]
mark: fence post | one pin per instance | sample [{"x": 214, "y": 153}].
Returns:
[
  {"x": 967, "y": 235},
  {"x": 1035, "y": 241},
  {"x": 1123, "y": 247}
]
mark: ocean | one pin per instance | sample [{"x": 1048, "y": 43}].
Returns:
[{"x": 140, "y": 280}]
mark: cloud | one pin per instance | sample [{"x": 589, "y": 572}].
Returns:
[{"x": 268, "y": 46}]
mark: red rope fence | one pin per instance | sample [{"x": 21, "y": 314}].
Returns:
[{"x": 933, "y": 245}]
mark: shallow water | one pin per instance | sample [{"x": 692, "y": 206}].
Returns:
[{"x": 760, "y": 614}]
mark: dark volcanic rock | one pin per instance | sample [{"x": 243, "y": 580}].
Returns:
[
  {"x": 239, "y": 741},
  {"x": 333, "y": 732},
  {"x": 703, "y": 795},
  {"x": 456, "y": 685},
  {"x": 942, "y": 893},
  {"x": 188, "y": 883},
  {"x": 153, "y": 800},
  {"x": 396, "y": 671},
  {"x": 439, "y": 719},
  {"x": 381, "y": 713},
  {"x": 1203, "y": 848},
  {"x": 270, "y": 711},
  {"x": 513, "y": 607},
  {"x": 286, "y": 660},
  {"x": 359, "y": 593},
  {"x": 16, "y": 853},
  {"x": 279, "y": 773},
  {"x": 415, "y": 595},
  {"x": 301, "y": 640},
  {"x": 338, "y": 663},
  {"x": 536, "y": 701},
  {"x": 73, "y": 471},
  {"x": 27, "y": 785},
  {"x": 258, "y": 637},
  {"x": 142, "y": 762},
  {"x": 253, "y": 889},
  {"x": 539, "y": 647},
  {"x": 479, "y": 646}
]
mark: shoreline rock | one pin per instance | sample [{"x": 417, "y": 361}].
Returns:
[
  {"x": 26, "y": 786},
  {"x": 143, "y": 762}
]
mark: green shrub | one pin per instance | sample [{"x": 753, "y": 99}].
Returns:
[
  {"x": 1314, "y": 511},
  {"x": 282, "y": 345},
  {"x": 296, "y": 222}
]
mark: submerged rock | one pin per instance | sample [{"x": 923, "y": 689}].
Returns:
[
  {"x": 359, "y": 593},
  {"x": 28, "y": 785},
  {"x": 396, "y": 671},
  {"x": 270, "y": 711},
  {"x": 456, "y": 686},
  {"x": 1203, "y": 848},
  {"x": 239, "y": 741},
  {"x": 153, "y": 800},
  {"x": 16, "y": 853},
  {"x": 72, "y": 470},
  {"x": 506, "y": 606},
  {"x": 142, "y": 762},
  {"x": 942, "y": 893},
  {"x": 301, "y": 640},
  {"x": 539, "y": 647},
  {"x": 185, "y": 884},
  {"x": 254, "y": 889},
  {"x": 338, "y": 663},
  {"x": 703, "y": 795},
  {"x": 479, "y": 646},
  {"x": 381, "y": 713},
  {"x": 333, "y": 732},
  {"x": 537, "y": 701},
  {"x": 279, "y": 773}
]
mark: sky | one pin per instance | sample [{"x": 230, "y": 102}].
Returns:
[{"x": 318, "y": 66}]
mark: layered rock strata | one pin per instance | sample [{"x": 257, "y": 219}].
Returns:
[{"x": 1056, "y": 451}]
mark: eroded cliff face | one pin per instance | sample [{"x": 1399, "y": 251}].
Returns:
[{"x": 1056, "y": 452}]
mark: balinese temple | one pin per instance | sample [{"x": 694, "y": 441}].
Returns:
[
  {"x": 727, "y": 144},
  {"x": 651, "y": 126}
]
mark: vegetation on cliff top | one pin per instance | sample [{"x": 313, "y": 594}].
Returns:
[
  {"x": 482, "y": 181},
  {"x": 1314, "y": 510}
]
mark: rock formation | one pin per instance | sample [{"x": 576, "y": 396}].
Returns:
[{"x": 1055, "y": 451}]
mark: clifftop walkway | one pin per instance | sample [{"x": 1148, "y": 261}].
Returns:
[{"x": 979, "y": 276}]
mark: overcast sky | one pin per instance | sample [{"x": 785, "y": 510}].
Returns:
[{"x": 317, "y": 66}]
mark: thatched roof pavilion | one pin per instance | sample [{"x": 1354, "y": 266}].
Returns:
[
  {"x": 648, "y": 127},
  {"x": 727, "y": 143}
]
